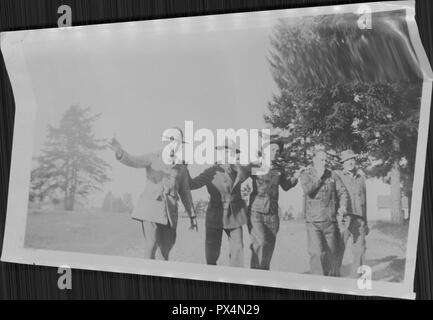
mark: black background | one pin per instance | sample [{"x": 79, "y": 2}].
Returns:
[{"x": 34, "y": 282}]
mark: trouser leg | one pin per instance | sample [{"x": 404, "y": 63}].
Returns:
[
  {"x": 166, "y": 237},
  {"x": 344, "y": 238},
  {"x": 213, "y": 245},
  {"x": 263, "y": 237},
  {"x": 268, "y": 250},
  {"x": 358, "y": 247},
  {"x": 257, "y": 235},
  {"x": 272, "y": 223},
  {"x": 333, "y": 242},
  {"x": 150, "y": 241},
  {"x": 316, "y": 248},
  {"x": 236, "y": 246}
]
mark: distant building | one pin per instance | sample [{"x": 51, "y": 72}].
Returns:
[{"x": 384, "y": 207}]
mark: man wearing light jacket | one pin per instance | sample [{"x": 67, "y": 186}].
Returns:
[
  {"x": 326, "y": 198},
  {"x": 167, "y": 180}
]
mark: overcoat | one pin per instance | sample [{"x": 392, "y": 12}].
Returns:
[
  {"x": 226, "y": 208},
  {"x": 164, "y": 185},
  {"x": 323, "y": 195}
]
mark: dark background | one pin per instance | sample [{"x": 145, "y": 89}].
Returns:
[{"x": 34, "y": 282}]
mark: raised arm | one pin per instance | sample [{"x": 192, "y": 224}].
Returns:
[
  {"x": 143, "y": 161},
  {"x": 287, "y": 182},
  {"x": 310, "y": 184},
  {"x": 343, "y": 195},
  {"x": 201, "y": 180},
  {"x": 124, "y": 157}
]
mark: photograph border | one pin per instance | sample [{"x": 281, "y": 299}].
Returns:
[{"x": 22, "y": 152}]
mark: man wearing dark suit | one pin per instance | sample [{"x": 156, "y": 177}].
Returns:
[{"x": 226, "y": 211}]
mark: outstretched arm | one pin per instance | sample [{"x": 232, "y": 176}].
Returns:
[
  {"x": 311, "y": 185},
  {"x": 287, "y": 182},
  {"x": 200, "y": 181},
  {"x": 143, "y": 161}
]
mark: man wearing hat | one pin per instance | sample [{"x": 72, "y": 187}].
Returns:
[
  {"x": 226, "y": 211},
  {"x": 264, "y": 222},
  {"x": 325, "y": 197},
  {"x": 167, "y": 180},
  {"x": 354, "y": 223}
]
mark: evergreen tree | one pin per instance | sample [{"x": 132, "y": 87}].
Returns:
[
  {"x": 107, "y": 203},
  {"x": 127, "y": 202},
  {"x": 69, "y": 162}
]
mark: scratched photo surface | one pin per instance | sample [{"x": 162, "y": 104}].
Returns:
[{"x": 341, "y": 94}]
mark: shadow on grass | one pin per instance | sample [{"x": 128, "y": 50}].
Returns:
[{"x": 396, "y": 231}]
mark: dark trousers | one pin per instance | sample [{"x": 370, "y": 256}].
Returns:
[
  {"x": 263, "y": 232},
  {"x": 356, "y": 233},
  {"x": 213, "y": 245},
  {"x": 324, "y": 248},
  {"x": 156, "y": 236}
]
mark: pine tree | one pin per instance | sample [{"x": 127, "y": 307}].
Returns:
[
  {"x": 127, "y": 202},
  {"x": 69, "y": 163},
  {"x": 107, "y": 203}
]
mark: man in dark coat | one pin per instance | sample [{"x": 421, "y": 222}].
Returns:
[{"x": 226, "y": 211}]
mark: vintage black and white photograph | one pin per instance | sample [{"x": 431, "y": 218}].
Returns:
[{"x": 279, "y": 148}]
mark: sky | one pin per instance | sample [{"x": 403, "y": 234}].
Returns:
[{"x": 145, "y": 77}]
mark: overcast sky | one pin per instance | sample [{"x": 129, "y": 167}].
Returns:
[{"x": 145, "y": 78}]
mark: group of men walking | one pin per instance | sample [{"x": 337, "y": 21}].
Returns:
[{"x": 334, "y": 205}]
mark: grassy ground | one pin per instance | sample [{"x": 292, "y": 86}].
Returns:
[{"x": 117, "y": 234}]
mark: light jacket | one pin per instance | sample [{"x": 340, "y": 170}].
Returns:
[
  {"x": 164, "y": 185},
  {"x": 323, "y": 197},
  {"x": 265, "y": 193}
]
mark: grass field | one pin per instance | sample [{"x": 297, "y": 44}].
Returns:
[{"x": 118, "y": 235}]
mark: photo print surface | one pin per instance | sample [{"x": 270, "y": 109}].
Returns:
[{"x": 281, "y": 148}]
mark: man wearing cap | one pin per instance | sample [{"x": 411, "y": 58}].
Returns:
[
  {"x": 325, "y": 197},
  {"x": 167, "y": 180},
  {"x": 354, "y": 223},
  {"x": 264, "y": 222},
  {"x": 226, "y": 211}
]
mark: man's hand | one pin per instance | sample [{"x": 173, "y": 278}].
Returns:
[
  {"x": 325, "y": 175},
  {"x": 342, "y": 211},
  {"x": 364, "y": 229},
  {"x": 115, "y": 146},
  {"x": 193, "y": 224},
  {"x": 342, "y": 220},
  {"x": 298, "y": 173}
]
